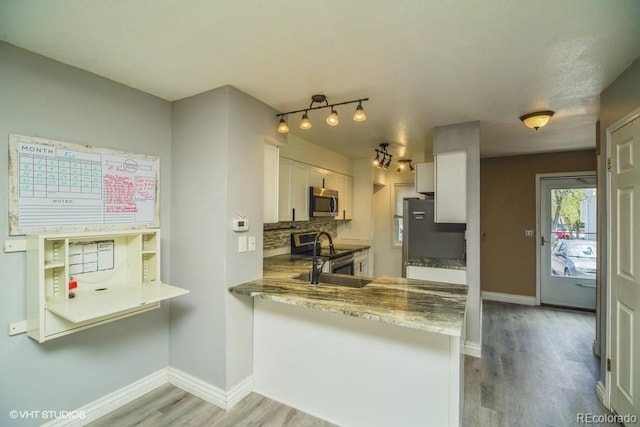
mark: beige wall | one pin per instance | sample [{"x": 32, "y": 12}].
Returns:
[{"x": 507, "y": 208}]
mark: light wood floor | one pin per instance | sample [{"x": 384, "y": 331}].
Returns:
[{"x": 537, "y": 369}]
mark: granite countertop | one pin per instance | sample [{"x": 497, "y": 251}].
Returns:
[
  {"x": 449, "y": 263},
  {"x": 418, "y": 304}
]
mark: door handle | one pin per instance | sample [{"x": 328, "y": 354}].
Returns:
[{"x": 542, "y": 241}]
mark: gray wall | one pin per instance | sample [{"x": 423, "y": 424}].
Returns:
[
  {"x": 616, "y": 101},
  {"x": 41, "y": 97},
  {"x": 458, "y": 137},
  {"x": 218, "y": 167}
]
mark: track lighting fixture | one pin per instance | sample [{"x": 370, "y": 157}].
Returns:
[
  {"x": 383, "y": 158},
  {"x": 403, "y": 163},
  {"x": 332, "y": 118}
]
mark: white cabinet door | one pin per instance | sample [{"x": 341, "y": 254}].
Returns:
[
  {"x": 293, "y": 189},
  {"x": 361, "y": 263},
  {"x": 316, "y": 177},
  {"x": 451, "y": 187},
  {"x": 425, "y": 178},
  {"x": 343, "y": 185},
  {"x": 300, "y": 192},
  {"x": 346, "y": 198},
  {"x": 271, "y": 175}
]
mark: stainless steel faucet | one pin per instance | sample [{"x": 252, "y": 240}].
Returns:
[{"x": 315, "y": 271}]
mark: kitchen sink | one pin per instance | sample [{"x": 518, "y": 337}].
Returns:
[{"x": 336, "y": 279}]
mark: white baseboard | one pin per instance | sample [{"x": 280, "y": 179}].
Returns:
[
  {"x": 602, "y": 394},
  {"x": 510, "y": 298},
  {"x": 112, "y": 401},
  {"x": 209, "y": 392},
  {"x": 472, "y": 348}
]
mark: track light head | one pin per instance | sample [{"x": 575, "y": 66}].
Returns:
[
  {"x": 283, "y": 127},
  {"x": 359, "y": 115},
  {"x": 332, "y": 119},
  {"x": 305, "y": 123}
]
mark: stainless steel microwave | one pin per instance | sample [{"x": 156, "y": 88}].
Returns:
[{"x": 323, "y": 202}]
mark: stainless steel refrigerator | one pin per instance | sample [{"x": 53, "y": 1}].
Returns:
[{"x": 423, "y": 238}]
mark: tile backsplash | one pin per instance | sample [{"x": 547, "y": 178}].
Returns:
[{"x": 276, "y": 236}]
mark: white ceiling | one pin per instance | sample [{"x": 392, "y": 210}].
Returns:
[{"x": 423, "y": 63}]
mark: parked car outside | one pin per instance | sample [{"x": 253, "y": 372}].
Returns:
[
  {"x": 562, "y": 233},
  {"x": 576, "y": 258}
]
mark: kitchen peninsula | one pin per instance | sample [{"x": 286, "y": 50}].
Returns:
[{"x": 384, "y": 354}]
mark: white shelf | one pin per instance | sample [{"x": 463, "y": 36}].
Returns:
[
  {"x": 124, "y": 264},
  {"x": 48, "y": 265},
  {"x": 94, "y": 304}
]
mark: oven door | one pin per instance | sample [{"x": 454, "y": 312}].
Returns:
[{"x": 343, "y": 265}]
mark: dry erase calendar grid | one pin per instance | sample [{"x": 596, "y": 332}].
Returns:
[{"x": 62, "y": 186}]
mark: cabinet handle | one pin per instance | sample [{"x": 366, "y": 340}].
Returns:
[
  {"x": 293, "y": 214},
  {"x": 344, "y": 214}
]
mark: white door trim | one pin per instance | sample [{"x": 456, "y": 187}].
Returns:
[
  {"x": 539, "y": 178},
  {"x": 610, "y": 130}
]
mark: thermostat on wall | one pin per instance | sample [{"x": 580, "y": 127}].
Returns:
[{"x": 240, "y": 224}]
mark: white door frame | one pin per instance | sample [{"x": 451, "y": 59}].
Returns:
[
  {"x": 539, "y": 178},
  {"x": 606, "y": 395}
]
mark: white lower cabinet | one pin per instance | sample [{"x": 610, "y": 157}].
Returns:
[
  {"x": 446, "y": 275},
  {"x": 361, "y": 263},
  {"x": 80, "y": 280}
]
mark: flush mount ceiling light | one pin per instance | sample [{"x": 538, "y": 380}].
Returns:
[
  {"x": 332, "y": 118},
  {"x": 402, "y": 165},
  {"x": 383, "y": 158},
  {"x": 537, "y": 120}
]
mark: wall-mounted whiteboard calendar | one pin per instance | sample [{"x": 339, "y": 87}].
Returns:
[{"x": 59, "y": 186}]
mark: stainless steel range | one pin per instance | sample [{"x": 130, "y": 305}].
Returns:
[{"x": 341, "y": 261}]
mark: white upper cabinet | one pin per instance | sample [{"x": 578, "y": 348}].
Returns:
[
  {"x": 293, "y": 191},
  {"x": 346, "y": 198},
  {"x": 271, "y": 175},
  {"x": 295, "y": 178},
  {"x": 425, "y": 178},
  {"x": 451, "y": 187},
  {"x": 316, "y": 177}
]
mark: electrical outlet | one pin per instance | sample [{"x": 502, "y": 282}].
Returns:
[
  {"x": 528, "y": 233},
  {"x": 252, "y": 243}
]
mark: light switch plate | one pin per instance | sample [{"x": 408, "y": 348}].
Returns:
[
  {"x": 242, "y": 244},
  {"x": 252, "y": 243}
]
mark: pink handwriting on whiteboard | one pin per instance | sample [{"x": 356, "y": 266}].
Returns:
[
  {"x": 119, "y": 194},
  {"x": 145, "y": 187}
]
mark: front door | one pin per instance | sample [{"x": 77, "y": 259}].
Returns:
[
  {"x": 624, "y": 268},
  {"x": 568, "y": 241}
]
